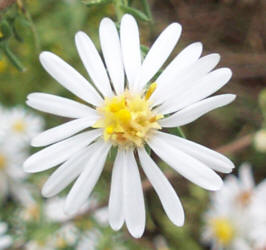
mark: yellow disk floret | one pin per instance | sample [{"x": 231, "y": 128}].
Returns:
[
  {"x": 127, "y": 119},
  {"x": 223, "y": 230},
  {"x": 2, "y": 161},
  {"x": 19, "y": 126}
]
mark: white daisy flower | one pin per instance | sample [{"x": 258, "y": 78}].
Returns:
[
  {"x": 11, "y": 172},
  {"x": 5, "y": 240},
  {"x": 22, "y": 125},
  {"x": 236, "y": 218},
  {"x": 38, "y": 245},
  {"x": 126, "y": 114}
]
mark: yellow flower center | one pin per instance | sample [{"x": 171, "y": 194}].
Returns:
[
  {"x": 32, "y": 212},
  {"x": 3, "y": 161},
  {"x": 127, "y": 119},
  {"x": 223, "y": 230},
  {"x": 19, "y": 126}
]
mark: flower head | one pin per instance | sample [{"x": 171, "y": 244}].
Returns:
[
  {"x": 236, "y": 218},
  {"x": 129, "y": 114}
]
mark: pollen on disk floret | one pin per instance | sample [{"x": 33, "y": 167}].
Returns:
[{"x": 128, "y": 119}]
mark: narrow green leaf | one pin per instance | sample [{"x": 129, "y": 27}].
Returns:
[
  {"x": 180, "y": 132},
  {"x": 147, "y": 9},
  {"x": 177, "y": 131},
  {"x": 6, "y": 30},
  {"x": 91, "y": 3},
  {"x": 136, "y": 13},
  {"x": 12, "y": 57},
  {"x": 262, "y": 102}
]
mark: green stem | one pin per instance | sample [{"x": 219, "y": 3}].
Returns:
[
  {"x": 147, "y": 9},
  {"x": 12, "y": 58},
  {"x": 118, "y": 11},
  {"x": 32, "y": 27}
]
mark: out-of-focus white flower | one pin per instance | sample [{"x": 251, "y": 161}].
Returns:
[
  {"x": 129, "y": 116},
  {"x": 89, "y": 240},
  {"x": 260, "y": 140},
  {"x": 236, "y": 218},
  {"x": 39, "y": 245},
  {"x": 31, "y": 212},
  {"x": 101, "y": 216},
  {"x": 54, "y": 209},
  {"x": 3, "y": 121},
  {"x": 66, "y": 236},
  {"x": 5, "y": 240},
  {"x": 160, "y": 243},
  {"x": 11, "y": 172},
  {"x": 22, "y": 125}
]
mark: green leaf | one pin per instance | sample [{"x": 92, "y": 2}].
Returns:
[
  {"x": 177, "y": 131},
  {"x": 180, "y": 132},
  {"x": 6, "y": 30},
  {"x": 136, "y": 13},
  {"x": 144, "y": 50},
  {"x": 147, "y": 9},
  {"x": 12, "y": 57},
  {"x": 262, "y": 102},
  {"x": 91, "y": 3}
]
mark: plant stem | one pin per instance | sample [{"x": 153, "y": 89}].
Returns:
[
  {"x": 118, "y": 11},
  {"x": 147, "y": 9},
  {"x": 12, "y": 58}
]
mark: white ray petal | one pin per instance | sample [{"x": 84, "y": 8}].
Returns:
[
  {"x": 69, "y": 78},
  {"x": 84, "y": 185},
  {"x": 203, "y": 88},
  {"x": 163, "y": 188},
  {"x": 115, "y": 208},
  {"x": 111, "y": 49},
  {"x": 157, "y": 55},
  {"x": 63, "y": 131},
  {"x": 93, "y": 63},
  {"x": 59, "y": 106},
  {"x": 133, "y": 197},
  {"x": 189, "y": 167},
  {"x": 246, "y": 177},
  {"x": 68, "y": 171},
  {"x": 130, "y": 45},
  {"x": 175, "y": 70},
  {"x": 196, "y": 110},
  {"x": 59, "y": 152},
  {"x": 191, "y": 76},
  {"x": 210, "y": 157}
]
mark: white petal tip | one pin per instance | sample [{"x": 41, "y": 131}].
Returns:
[
  {"x": 35, "y": 142},
  {"x": 46, "y": 191},
  {"x": 68, "y": 211},
  {"x": 137, "y": 234},
  {"x": 216, "y": 187},
  {"x": 44, "y": 55},
  {"x": 106, "y": 20},
  {"x": 115, "y": 227}
]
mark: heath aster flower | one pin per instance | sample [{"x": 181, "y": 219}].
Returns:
[
  {"x": 128, "y": 114},
  {"x": 236, "y": 218}
]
